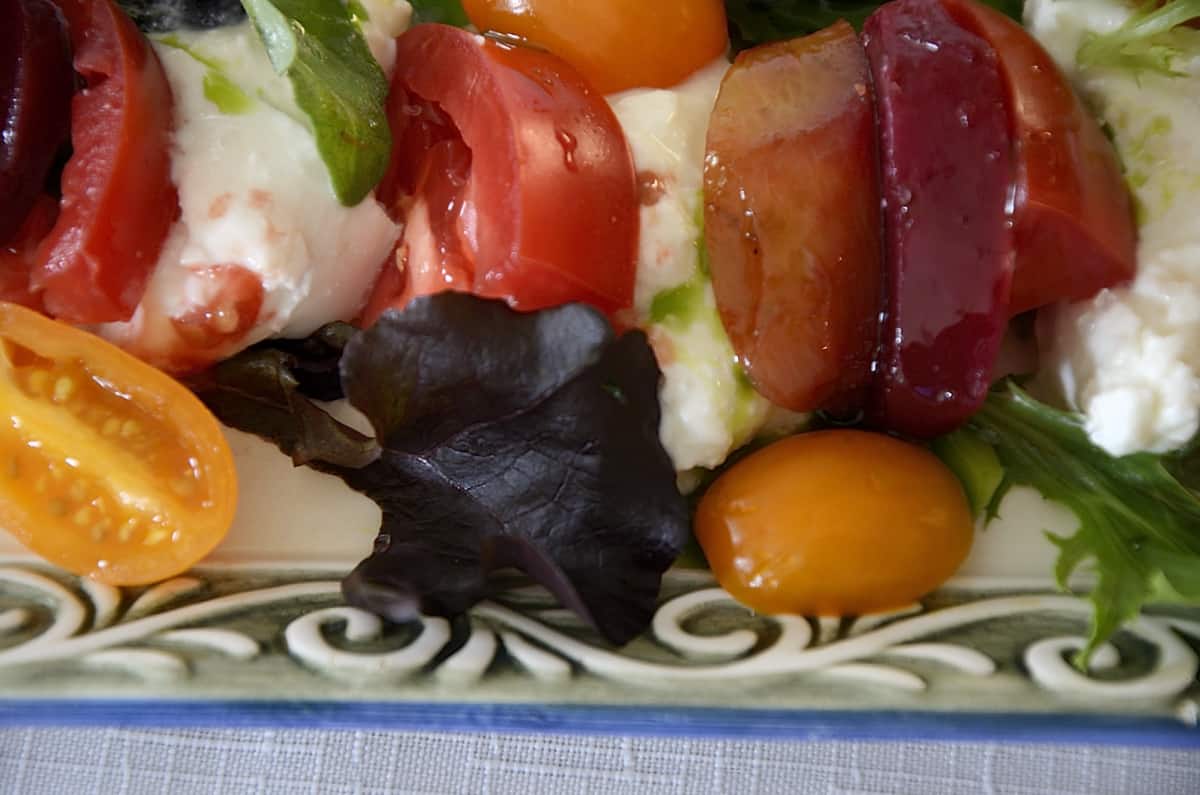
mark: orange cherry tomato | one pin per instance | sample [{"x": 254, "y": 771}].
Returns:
[
  {"x": 108, "y": 468},
  {"x": 617, "y": 44},
  {"x": 834, "y": 523}
]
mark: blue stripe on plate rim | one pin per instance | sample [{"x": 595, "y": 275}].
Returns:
[{"x": 666, "y": 722}]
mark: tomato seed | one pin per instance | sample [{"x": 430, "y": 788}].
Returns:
[
  {"x": 64, "y": 387},
  {"x": 38, "y": 381},
  {"x": 127, "y": 530},
  {"x": 156, "y": 537},
  {"x": 130, "y": 429},
  {"x": 84, "y": 516},
  {"x": 57, "y": 506},
  {"x": 77, "y": 492},
  {"x": 111, "y": 427}
]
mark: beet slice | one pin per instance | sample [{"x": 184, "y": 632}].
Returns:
[{"x": 947, "y": 169}]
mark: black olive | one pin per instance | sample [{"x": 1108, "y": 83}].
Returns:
[{"x": 158, "y": 16}]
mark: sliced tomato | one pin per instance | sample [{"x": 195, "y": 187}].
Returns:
[
  {"x": 617, "y": 44},
  {"x": 118, "y": 200},
  {"x": 1073, "y": 221},
  {"x": 108, "y": 467},
  {"x": 512, "y": 176}
]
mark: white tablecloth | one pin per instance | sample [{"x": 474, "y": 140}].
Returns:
[{"x": 115, "y": 762}]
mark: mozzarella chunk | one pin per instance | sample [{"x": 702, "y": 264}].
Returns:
[
  {"x": 708, "y": 407},
  {"x": 254, "y": 194},
  {"x": 1129, "y": 358}
]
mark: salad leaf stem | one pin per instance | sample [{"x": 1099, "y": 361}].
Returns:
[{"x": 1138, "y": 45}]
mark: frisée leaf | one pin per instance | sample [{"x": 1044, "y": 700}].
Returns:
[
  {"x": 502, "y": 439},
  {"x": 1143, "y": 43},
  {"x": 337, "y": 83},
  {"x": 1138, "y": 524}
]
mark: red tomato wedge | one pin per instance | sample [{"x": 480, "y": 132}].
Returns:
[
  {"x": 1073, "y": 221},
  {"x": 118, "y": 200},
  {"x": 512, "y": 175},
  {"x": 615, "y": 44},
  {"x": 792, "y": 221}
]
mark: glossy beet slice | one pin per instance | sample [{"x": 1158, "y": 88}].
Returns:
[
  {"x": 791, "y": 218},
  {"x": 36, "y": 84},
  {"x": 1073, "y": 220},
  {"x": 946, "y": 155}
]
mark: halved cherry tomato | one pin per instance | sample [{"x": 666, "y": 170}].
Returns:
[
  {"x": 791, "y": 218},
  {"x": 834, "y": 523},
  {"x": 108, "y": 467},
  {"x": 118, "y": 200},
  {"x": 616, "y": 44},
  {"x": 1072, "y": 221},
  {"x": 511, "y": 174}
]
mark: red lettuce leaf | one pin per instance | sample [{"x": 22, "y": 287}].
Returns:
[{"x": 504, "y": 439}]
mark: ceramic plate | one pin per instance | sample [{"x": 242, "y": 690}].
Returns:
[{"x": 261, "y": 636}]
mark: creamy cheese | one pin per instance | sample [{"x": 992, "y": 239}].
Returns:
[
  {"x": 254, "y": 193},
  {"x": 708, "y": 407},
  {"x": 1129, "y": 359}
]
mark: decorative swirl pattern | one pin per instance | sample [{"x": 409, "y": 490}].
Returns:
[{"x": 157, "y": 636}]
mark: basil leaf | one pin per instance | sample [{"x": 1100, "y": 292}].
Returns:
[
  {"x": 1138, "y": 524},
  {"x": 754, "y": 22},
  {"x": 447, "y": 12},
  {"x": 337, "y": 83}
]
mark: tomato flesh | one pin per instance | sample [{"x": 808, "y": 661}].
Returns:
[
  {"x": 1073, "y": 221},
  {"x": 118, "y": 200},
  {"x": 108, "y": 467},
  {"x": 834, "y": 523},
  {"x": 791, "y": 218},
  {"x": 522, "y": 182},
  {"x": 617, "y": 44}
]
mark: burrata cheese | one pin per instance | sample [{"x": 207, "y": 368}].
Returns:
[{"x": 1129, "y": 358}]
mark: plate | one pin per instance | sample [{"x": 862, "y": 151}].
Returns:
[{"x": 260, "y": 636}]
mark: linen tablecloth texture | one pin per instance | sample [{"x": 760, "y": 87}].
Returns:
[{"x": 116, "y": 762}]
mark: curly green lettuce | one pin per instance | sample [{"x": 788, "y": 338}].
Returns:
[
  {"x": 1139, "y": 522},
  {"x": 1144, "y": 43}
]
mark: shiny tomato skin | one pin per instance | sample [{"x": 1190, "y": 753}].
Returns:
[
  {"x": 539, "y": 203},
  {"x": 792, "y": 220},
  {"x": 834, "y": 523},
  {"x": 947, "y": 169},
  {"x": 118, "y": 199},
  {"x": 616, "y": 44},
  {"x": 108, "y": 467},
  {"x": 36, "y": 84},
  {"x": 1073, "y": 220}
]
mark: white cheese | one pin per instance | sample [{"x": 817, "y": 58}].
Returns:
[
  {"x": 254, "y": 193},
  {"x": 708, "y": 407},
  {"x": 1129, "y": 359}
]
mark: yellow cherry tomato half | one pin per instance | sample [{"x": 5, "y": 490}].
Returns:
[
  {"x": 108, "y": 467},
  {"x": 616, "y": 44},
  {"x": 834, "y": 523}
]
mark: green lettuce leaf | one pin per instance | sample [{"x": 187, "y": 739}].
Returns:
[
  {"x": 754, "y": 22},
  {"x": 1139, "y": 525},
  {"x": 1143, "y": 43},
  {"x": 447, "y": 12},
  {"x": 338, "y": 85}
]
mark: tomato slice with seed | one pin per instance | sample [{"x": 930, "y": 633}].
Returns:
[{"x": 108, "y": 467}]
